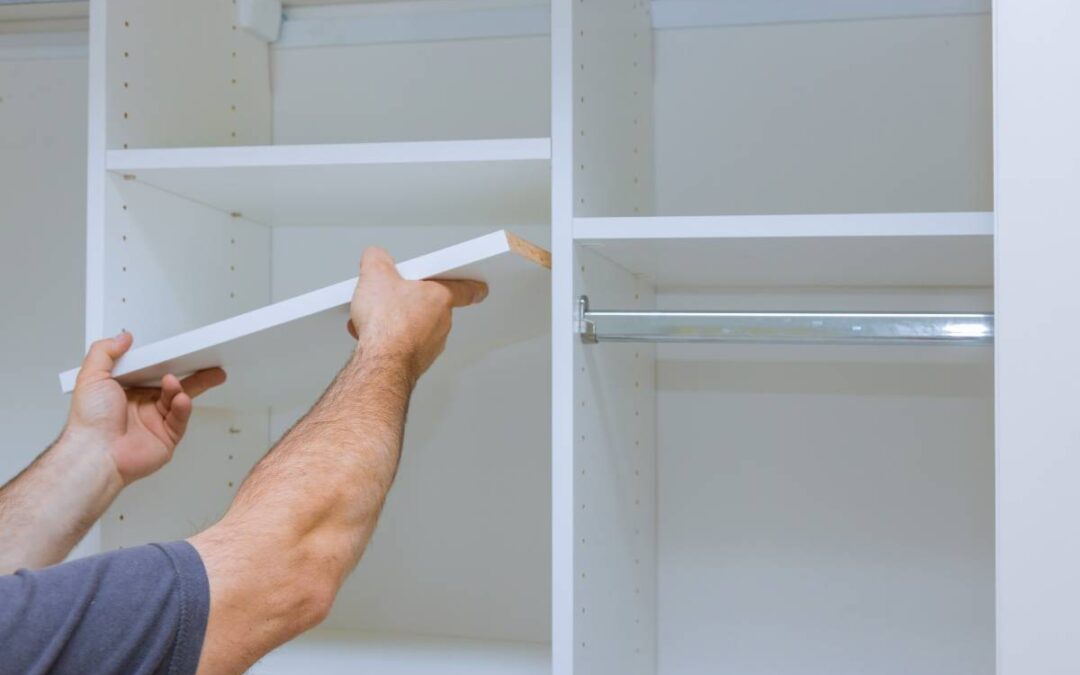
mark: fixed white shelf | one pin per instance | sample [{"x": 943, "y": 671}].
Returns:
[
  {"x": 343, "y": 652},
  {"x": 872, "y": 250},
  {"x": 291, "y": 346},
  {"x": 475, "y": 182}
]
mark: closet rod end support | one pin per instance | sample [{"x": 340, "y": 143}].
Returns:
[{"x": 585, "y": 328}]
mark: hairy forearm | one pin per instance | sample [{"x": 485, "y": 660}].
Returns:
[
  {"x": 48, "y": 508},
  {"x": 329, "y": 475},
  {"x": 302, "y": 518}
]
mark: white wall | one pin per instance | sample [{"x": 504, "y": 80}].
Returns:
[
  {"x": 834, "y": 117},
  {"x": 825, "y": 510},
  {"x": 42, "y": 239}
]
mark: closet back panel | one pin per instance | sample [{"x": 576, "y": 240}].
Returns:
[
  {"x": 824, "y": 511},
  {"x": 463, "y": 547},
  {"x": 443, "y": 90},
  {"x": 888, "y": 115}
]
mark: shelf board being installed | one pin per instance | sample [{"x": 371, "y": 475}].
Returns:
[
  {"x": 282, "y": 352},
  {"x": 865, "y": 250},
  {"x": 478, "y": 182}
]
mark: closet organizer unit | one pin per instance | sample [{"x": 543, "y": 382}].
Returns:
[
  {"x": 775, "y": 493},
  {"x": 799, "y": 480},
  {"x": 234, "y": 182}
]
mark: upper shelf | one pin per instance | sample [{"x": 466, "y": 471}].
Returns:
[
  {"x": 873, "y": 250},
  {"x": 481, "y": 182},
  {"x": 284, "y": 350}
]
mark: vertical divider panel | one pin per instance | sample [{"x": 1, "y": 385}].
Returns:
[
  {"x": 562, "y": 339},
  {"x": 171, "y": 73},
  {"x": 613, "y": 108},
  {"x": 1036, "y": 105},
  {"x": 615, "y": 486},
  {"x": 183, "y": 73}
]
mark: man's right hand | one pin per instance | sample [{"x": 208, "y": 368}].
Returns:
[{"x": 404, "y": 320}]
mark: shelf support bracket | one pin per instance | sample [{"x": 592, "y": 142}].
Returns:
[{"x": 907, "y": 328}]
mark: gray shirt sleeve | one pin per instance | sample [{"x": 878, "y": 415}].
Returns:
[{"x": 139, "y": 610}]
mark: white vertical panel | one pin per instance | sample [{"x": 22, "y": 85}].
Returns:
[
  {"x": 615, "y": 500},
  {"x": 612, "y": 108},
  {"x": 180, "y": 73},
  {"x": 1037, "y": 105},
  {"x": 562, "y": 339},
  {"x": 95, "y": 174},
  {"x": 172, "y": 264}
]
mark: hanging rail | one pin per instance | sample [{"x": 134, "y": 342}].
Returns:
[{"x": 783, "y": 327}]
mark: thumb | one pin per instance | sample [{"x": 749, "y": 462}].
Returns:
[{"x": 102, "y": 356}]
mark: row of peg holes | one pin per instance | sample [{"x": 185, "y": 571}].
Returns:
[
  {"x": 232, "y": 81},
  {"x": 637, "y": 474},
  {"x": 637, "y": 120}
]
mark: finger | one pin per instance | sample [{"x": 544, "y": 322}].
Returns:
[
  {"x": 349, "y": 326},
  {"x": 377, "y": 260},
  {"x": 193, "y": 385},
  {"x": 103, "y": 354},
  {"x": 176, "y": 420},
  {"x": 170, "y": 387},
  {"x": 464, "y": 292}
]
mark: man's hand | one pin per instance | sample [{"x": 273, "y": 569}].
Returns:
[
  {"x": 139, "y": 428},
  {"x": 113, "y": 437},
  {"x": 402, "y": 319}
]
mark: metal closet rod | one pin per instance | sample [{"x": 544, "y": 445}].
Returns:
[{"x": 906, "y": 328}]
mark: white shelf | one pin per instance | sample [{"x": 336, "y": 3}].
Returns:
[
  {"x": 481, "y": 182},
  {"x": 334, "y": 652},
  {"x": 279, "y": 352},
  {"x": 873, "y": 250}
]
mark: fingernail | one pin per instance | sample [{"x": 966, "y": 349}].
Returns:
[{"x": 120, "y": 334}]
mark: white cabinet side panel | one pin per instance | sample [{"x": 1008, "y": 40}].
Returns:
[
  {"x": 172, "y": 264},
  {"x": 182, "y": 73},
  {"x": 615, "y": 487},
  {"x": 612, "y": 108},
  {"x": 1037, "y": 104}
]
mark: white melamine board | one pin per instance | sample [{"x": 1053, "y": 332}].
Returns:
[
  {"x": 172, "y": 265},
  {"x": 842, "y": 117},
  {"x": 180, "y": 73},
  {"x": 917, "y": 249},
  {"x": 563, "y": 472},
  {"x": 493, "y": 182},
  {"x": 614, "y": 533},
  {"x": 446, "y": 90},
  {"x": 612, "y": 108},
  {"x": 304, "y": 337},
  {"x": 1038, "y": 554},
  {"x": 345, "y": 653}
]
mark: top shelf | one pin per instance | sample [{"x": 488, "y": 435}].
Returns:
[
  {"x": 482, "y": 182},
  {"x": 867, "y": 250}
]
